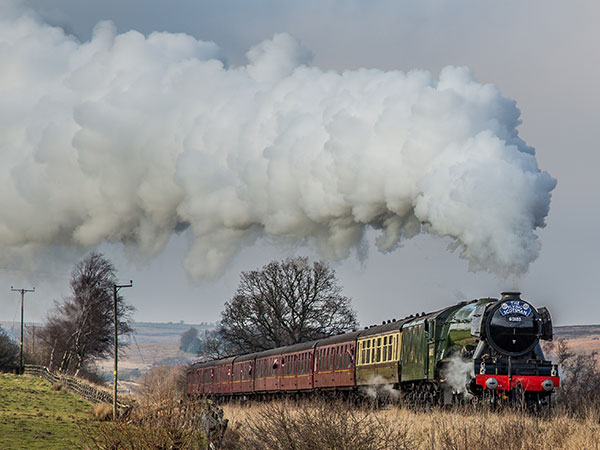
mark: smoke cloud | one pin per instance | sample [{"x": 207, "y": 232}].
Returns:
[
  {"x": 458, "y": 373},
  {"x": 129, "y": 138}
]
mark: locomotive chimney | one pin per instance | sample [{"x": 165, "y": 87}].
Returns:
[{"x": 511, "y": 296}]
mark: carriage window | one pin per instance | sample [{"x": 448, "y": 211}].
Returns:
[
  {"x": 372, "y": 350},
  {"x": 385, "y": 341}
]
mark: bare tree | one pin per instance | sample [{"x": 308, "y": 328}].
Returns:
[
  {"x": 285, "y": 303},
  {"x": 212, "y": 346},
  {"x": 189, "y": 342},
  {"x": 80, "y": 328}
]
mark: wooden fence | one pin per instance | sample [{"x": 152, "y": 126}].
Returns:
[{"x": 76, "y": 385}]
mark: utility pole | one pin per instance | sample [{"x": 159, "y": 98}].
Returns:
[
  {"x": 116, "y": 288},
  {"x": 22, "y": 291}
]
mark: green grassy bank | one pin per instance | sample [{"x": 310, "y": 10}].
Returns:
[{"x": 34, "y": 416}]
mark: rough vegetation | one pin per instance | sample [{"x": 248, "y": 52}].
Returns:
[
  {"x": 337, "y": 426},
  {"x": 33, "y": 415},
  {"x": 162, "y": 419},
  {"x": 580, "y": 379}
]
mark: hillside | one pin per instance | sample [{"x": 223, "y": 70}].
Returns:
[
  {"x": 581, "y": 338},
  {"x": 152, "y": 344},
  {"x": 34, "y": 416}
]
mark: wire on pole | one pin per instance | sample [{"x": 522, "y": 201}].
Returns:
[
  {"x": 116, "y": 288},
  {"x": 22, "y": 291}
]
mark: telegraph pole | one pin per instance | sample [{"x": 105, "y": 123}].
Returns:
[
  {"x": 116, "y": 288},
  {"x": 22, "y": 291}
]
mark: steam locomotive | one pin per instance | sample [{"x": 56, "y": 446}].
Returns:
[{"x": 484, "y": 350}]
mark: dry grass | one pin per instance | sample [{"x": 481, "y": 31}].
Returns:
[
  {"x": 161, "y": 418},
  {"x": 103, "y": 411},
  {"x": 335, "y": 425}
]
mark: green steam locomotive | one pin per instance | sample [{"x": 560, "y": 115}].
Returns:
[{"x": 485, "y": 350}]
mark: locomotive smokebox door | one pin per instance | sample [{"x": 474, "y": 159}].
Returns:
[{"x": 546, "y": 324}]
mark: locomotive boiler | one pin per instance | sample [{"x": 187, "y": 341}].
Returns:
[{"x": 485, "y": 350}]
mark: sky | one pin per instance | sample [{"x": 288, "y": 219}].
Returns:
[{"x": 543, "y": 56}]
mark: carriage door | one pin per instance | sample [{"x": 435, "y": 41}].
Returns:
[{"x": 430, "y": 333}]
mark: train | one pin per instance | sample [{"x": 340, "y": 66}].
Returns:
[{"x": 485, "y": 350}]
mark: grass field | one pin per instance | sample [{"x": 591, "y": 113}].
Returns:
[
  {"x": 34, "y": 416},
  {"x": 329, "y": 425}
]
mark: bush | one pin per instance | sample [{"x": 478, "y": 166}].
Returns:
[
  {"x": 163, "y": 418},
  {"x": 9, "y": 353},
  {"x": 103, "y": 411},
  {"x": 494, "y": 431},
  {"x": 579, "y": 393},
  {"x": 318, "y": 425}
]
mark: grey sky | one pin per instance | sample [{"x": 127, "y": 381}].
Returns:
[{"x": 542, "y": 54}]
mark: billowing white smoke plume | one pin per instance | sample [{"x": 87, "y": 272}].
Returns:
[
  {"x": 458, "y": 373},
  {"x": 126, "y": 138}
]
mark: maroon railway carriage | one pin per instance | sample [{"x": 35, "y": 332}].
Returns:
[
  {"x": 222, "y": 376},
  {"x": 266, "y": 376},
  {"x": 210, "y": 378},
  {"x": 334, "y": 362},
  {"x": 296, "y": 367},
  {"x": 243, "y": 374}
]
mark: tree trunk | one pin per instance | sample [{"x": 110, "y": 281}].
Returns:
[
  {"x": 64, "y": 364},
  {"x": 51, "y": 363}
]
